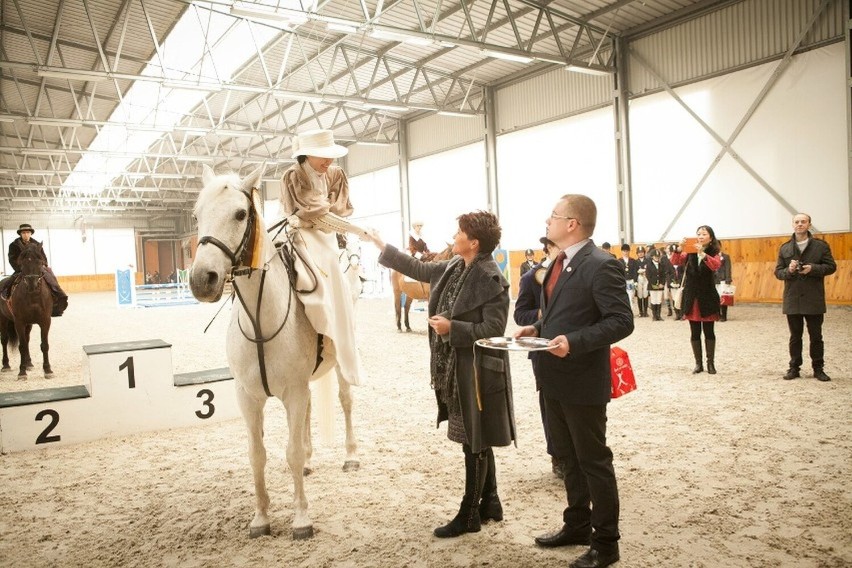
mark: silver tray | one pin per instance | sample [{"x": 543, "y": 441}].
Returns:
[{"x": 512, "y": 344}]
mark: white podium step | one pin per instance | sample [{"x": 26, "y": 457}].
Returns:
[{"x": 129, "y": 388}]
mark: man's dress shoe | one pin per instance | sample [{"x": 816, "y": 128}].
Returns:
[
  {"x": 595, "y": 559},
  {"x": 562, "y": 537}
]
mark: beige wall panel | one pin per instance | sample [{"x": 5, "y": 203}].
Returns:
[
  {"x": 363, "y": 158},
  {"x": 436, "y": 133},
  {"x": 548, "y": 97},
  {"x": 741, "y": 35}
]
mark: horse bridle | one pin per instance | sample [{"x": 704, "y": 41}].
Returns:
[
  {"x": 238, "y": 268},
  {"x": 242, "y": 249}
]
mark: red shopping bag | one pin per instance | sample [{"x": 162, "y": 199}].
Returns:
[
  {"x": 623, "y": 380},
  {"x": 726, "y": 299}
]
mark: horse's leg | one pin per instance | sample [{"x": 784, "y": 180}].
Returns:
[
  {"x": 397, "y": 298},
  {"x": 4, "y": 339},
  {"x": 45, "y": 350},
  {"x": 252, "y": 411},
  {"x": 29, "y": 357},
  {"x": 308, "y": 441},
  {"x": 345, "y": 395},
  {"x": 23, "y": 349},
  {"x": 408, "y": 301},
  {"x": 296, "y": 403}
]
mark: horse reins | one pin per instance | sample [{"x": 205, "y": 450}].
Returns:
[{"x": 238, "y": 268}]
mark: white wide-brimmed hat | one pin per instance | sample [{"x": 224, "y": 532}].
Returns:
[{"x": 319, "y": 143}]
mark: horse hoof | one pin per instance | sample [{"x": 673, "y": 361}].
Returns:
[
  {"x": 22, "y": 377},
  {"x": 255, "y": 532},
  {"x": 407, "y": 330},
  {"x": 351, "y": 465},
  {"x": 302, "y": 533},
  {"x": 6, "y": 369},
  {"x": 307, "y": 471},
  {"x": 48, "y": 375},
  {"x": 30, "y": 366}
]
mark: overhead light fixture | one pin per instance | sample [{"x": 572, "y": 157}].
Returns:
[
  {"x": 42, "y": 152},
  {"x": 506, "y": 56},
  {"x": 206, "y": 87},
  {"x": 243, "y": 133},
  {"x": 37, "y": 172},
  {"x": 72, "y": 74},
  {"x": 194, "y": 158},
  {"x": 297, "y": 96},
  {"x": 385, "y": 105},
  {"x": 162, "y": 129},
  {"x": 390, "y": 35},
  {"x": 341, "y": 27},
  {"x": 164, "y": 176},
  {"x": 7, "y": 117},
  {"x": 588, "y": 70},
  {"x": 194, "y": 130},
  {"x": 268, "y": 15},
  {"x": 457, "y": 114},
  {"x": 374, "y": 143},
  {"x": 60, "y": 122},
  {"x": 173, "y": 200}
]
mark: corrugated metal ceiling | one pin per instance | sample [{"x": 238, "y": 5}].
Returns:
[{"x": 348, "y": 69}]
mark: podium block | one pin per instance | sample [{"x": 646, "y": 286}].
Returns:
[{"x": 129, "y": 388}]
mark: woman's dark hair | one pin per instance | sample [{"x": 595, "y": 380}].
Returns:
[
  {"x": 301, "y": 159},
  {"x": 714, "y": 242},
  {"x": 482, "y": 226}
]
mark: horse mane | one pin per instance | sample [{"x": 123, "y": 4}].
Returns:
[{"x": 213, "y": 190}]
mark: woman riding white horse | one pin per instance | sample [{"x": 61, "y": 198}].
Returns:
[{"x": 314, "y": 195}]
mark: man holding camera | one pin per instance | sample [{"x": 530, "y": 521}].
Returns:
[{"x": 803, "y": 263}]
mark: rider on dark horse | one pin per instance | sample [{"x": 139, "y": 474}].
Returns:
[{"x": 25, "y": 232}]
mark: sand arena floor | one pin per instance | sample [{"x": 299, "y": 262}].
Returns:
[{"x": 737, "y": 469}]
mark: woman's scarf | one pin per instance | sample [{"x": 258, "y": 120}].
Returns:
[{"x": 443, "y": 362}]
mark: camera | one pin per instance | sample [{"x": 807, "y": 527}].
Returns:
[{"x": 799, "y": 267}]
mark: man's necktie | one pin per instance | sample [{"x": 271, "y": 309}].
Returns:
[{"x": 554, "y": 275}]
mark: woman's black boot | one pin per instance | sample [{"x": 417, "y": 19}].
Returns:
[
  {"x": 711, "y": 355},
  {"x": 490, "y": 508},
  {"x": 467, "y": 520},
  {"x": 696, "y": 351}
]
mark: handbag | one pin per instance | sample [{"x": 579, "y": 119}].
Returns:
[
  {"x": 727, "y": 296},
  {"x": 623, "y": 380},
  {"x": 677, "y": 293}
]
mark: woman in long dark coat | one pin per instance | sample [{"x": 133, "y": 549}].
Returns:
[
  {"x": 469, "y": 300},
  {"x": 700, "y": 301}
]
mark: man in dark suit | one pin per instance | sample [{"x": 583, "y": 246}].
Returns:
[{"x": 584, "y": 310}]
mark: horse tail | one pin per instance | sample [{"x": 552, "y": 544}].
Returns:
[{"x": 11, "y": 334}]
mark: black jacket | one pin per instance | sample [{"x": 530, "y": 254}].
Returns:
[
  {"x": 590, "y": 308},
  {"x": 700, "y": 284},
  {"x": 481, "y": 310},
  {"x": 15, "y": 248},
  {"x": 805, "y": 293}
]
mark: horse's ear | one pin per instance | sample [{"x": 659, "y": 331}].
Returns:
[
  {"x": 207, "y": 174},
  {"x": 251, "y": 180}
]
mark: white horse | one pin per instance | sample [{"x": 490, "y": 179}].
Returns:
[{"x": 271, "y": 346}]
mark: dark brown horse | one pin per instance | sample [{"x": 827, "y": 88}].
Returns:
[
  {"x": 30, "y": 302},
  {"x": 413, "y": 290}
]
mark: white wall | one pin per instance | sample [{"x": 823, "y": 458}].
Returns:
[
  {"x": 104, "y": 250},
  {"x": 444, "y": 186},
  {"x": 536, "y": 166},
  {"x": 796, "y": 141}
]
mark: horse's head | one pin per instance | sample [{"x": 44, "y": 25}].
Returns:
[
  {"x": 31, "y": 260},
  {"x": 226, "y": 220}
]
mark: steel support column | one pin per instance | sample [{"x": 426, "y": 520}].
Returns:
[
  {"x": 491, "y": 151},
  {"x": 621, "y": 111},
  {"x": 847, "y": 17},
  {"x": 404, "y": 190}
]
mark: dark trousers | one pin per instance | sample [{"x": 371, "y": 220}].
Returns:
[
  {"x": 578, "y": 437},
  {"x": 541, "y": 405},
  {"x": 796, "y": 323}
]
